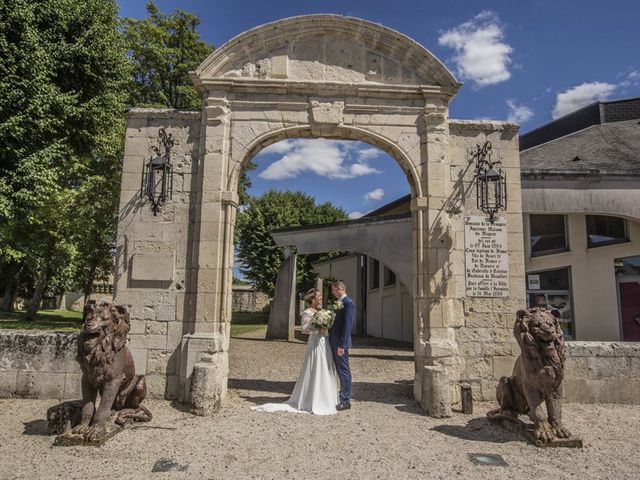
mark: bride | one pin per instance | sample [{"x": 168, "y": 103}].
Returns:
[{"x": 316, "y": 390}]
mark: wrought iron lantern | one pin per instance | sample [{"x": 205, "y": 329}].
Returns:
[
  {"x": 491, "y": 182},
  {"x": 157, "y": 175}
]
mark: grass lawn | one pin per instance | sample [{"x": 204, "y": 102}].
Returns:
[
  {"x": 247, "y": 322},
  {"x": 55, "y": 320},
  {"x": 66, "y": 321}
]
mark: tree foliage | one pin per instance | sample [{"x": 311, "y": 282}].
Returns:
[
  {"x": 259, "y": 256},
  {"x": 164, "y": 48},
  {"x": 62, "y": 105}
]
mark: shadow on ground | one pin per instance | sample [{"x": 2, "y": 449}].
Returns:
[
  {"x": 478, "y": 429},
  {"x": 402, "y": 358},
  {"x": 36, "y": 427},
  {"x": 398, "y": 393}
]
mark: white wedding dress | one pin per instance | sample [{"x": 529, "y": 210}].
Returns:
[{"x": 316, "y": 390}]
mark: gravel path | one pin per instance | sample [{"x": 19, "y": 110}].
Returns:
[{"x": 383, "y": 436}]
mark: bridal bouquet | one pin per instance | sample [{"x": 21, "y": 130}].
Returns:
[{"x": 323, "y": 319}]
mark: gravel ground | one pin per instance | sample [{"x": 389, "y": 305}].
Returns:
[{"x": 384, "y": 435}]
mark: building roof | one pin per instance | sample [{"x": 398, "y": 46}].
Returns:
[
  {"x": 344, "y": 223},
  {"x": 597, "y": 113},
  {"x": 611, "y": 148},
  {"x": 398, "y": 206}
]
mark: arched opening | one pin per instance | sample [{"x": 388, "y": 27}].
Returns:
[{"x": 374, "y": 194}]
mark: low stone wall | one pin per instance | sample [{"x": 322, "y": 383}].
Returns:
[
  {"x": 39, "y": 365},
  {"x": 602, "y": 372},
  {"x": 247, "y": 299},
  {"x": 43, "y": 365}
]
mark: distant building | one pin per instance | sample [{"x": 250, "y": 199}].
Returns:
[
  {"x": 581, "y": 205},
  {"x": 581, "y": 202}
]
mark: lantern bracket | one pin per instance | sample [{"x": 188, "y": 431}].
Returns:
[
  {"x": 491, "y": 181},
  {"x": 158, "y": 191}
]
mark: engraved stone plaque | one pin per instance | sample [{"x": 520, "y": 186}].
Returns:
[
  {"x": 486, "y": 257},
  {"x": 152, "y": 266}
]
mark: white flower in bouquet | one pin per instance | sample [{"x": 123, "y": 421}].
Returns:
[
  {"x": 323, "y": 319},
  {"x": 335, "y": 305}
]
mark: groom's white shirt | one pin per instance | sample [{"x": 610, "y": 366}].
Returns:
[{"x": 342, "y": 297}]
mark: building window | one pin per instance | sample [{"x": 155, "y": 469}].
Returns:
[
  {"x": 374, "y": 274},
  {"x": 389, "y": 277},
  {"x": 604, "y": 230},
  {"x": 551, "y": 289},
  {"x": 548, "y": 234}
]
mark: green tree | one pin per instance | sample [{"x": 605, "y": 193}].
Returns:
[
  {"x": 62, "y": 105},
  {"x": 164, "y": 48},
  {"x": 94, "y": 226},
  {"x": 259, "y": 256}
]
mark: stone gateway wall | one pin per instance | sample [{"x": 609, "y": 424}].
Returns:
[
  {"x": 315, "y": 76},
  {"x": 155, "y": 254}
]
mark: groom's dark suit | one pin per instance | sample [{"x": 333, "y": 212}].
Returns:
[{"x": 340, "y": 336}]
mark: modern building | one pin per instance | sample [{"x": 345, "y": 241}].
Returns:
[
  {"x": 581, "y": 204},
  {"x": 580, "y": 179}
]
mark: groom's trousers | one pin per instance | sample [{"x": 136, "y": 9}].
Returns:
[{"x": 344, "y": 374}]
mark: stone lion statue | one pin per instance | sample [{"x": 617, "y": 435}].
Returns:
[
  {"x": 108, "y": 369},
  {"x": 537, "y": 375}
]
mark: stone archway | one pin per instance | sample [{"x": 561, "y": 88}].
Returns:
[{"x": 317, "y": 76}]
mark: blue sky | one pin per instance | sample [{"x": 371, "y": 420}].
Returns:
[{"x": 527, "y": 61}]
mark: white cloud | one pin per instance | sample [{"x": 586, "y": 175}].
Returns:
[
  {"x": 376, "y": 194},
  {"x": 481, "y": 54},
  {"x": 354, "y": 215},
  {"x": 279, "y": 147},
  {"x": 360, "y": 169},
  {"x": 326, "y": 158},
  {"x": 518, "y": 113},
  {"x": 581, "y": 95},
  {"x": 369, "y": 153},
  {"x": 632, "y": 79}
]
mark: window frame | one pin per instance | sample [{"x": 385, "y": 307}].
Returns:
[
  {"x": 605, "y": 243},
  {"x": 384, "y": 277},
  {"x": 548, "y": 292},
  {"x": 374, "y": 273},
  {"x": 553, "y": 251}
]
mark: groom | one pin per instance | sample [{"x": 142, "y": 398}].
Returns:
[{"x": 340, "y": 341}]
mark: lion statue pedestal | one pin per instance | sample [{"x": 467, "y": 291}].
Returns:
[
  {"x": 536, "y": 382},
  {"x": 108, "y": 370}
]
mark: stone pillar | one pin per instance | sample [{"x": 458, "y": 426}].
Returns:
[
  {"x": 205, "y": 347},
  {"x": 437, "y": 357},
  {"x": 283, "y": 308},
  {"x": 436, "y": 400}
]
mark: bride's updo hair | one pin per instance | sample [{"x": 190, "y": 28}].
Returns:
[{"x": 310, "y": 295}]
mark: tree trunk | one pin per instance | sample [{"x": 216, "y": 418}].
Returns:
[
  {"x": 61, "y": 301},
  {"x": 88, "y": 287},
  {"x": 7, "y": 305},
  {"x": 36, "y": 300},
  {"x": 14, "y": 299}
]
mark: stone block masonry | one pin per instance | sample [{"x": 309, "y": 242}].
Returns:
[
  {"x": 602, "y": 372},
  {"x": 39, "y": 365},
  {"x": 247, "y": 299}
]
